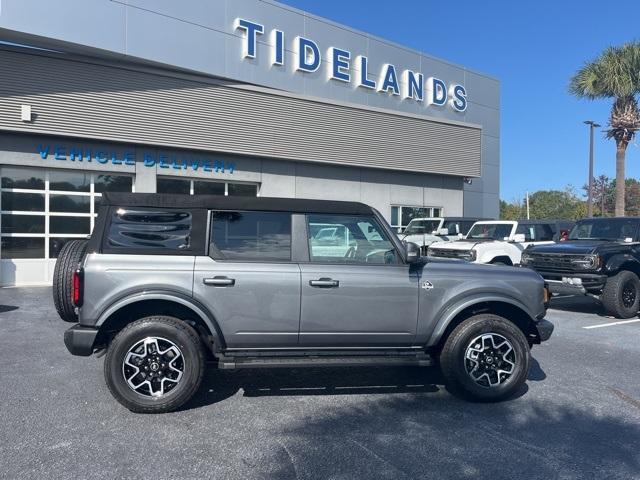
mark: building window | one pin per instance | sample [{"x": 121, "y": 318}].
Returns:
[
  {"x": 205, "y": 187},
  {"x": 401, "y": 215},
  {"x": 41, "y": 210}
]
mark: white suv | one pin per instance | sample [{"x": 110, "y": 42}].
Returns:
[
  {"x": 496, "y": 242},
  {"x": 427, "y": 231}
]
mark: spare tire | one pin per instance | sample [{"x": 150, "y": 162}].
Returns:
[{"x": 70, "y": 256}]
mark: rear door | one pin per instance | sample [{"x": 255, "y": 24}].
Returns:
[
  {"x": 248, "y": 280},
  {"x": 356, "y": 292}
]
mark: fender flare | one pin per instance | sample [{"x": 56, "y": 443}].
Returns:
[
  {"x": 452, "y": 311},
  {"x": 614, "y": 263},
  {"x": 175, "y": 297}
]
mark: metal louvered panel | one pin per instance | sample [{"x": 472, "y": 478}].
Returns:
[{"x": 76, "y": 98}]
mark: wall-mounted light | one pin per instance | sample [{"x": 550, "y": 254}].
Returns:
[
  {"x": 467, "y": 180},
  {"x": 25, "y": 113}
]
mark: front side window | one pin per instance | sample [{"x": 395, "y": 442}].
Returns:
[
  {"x": 149, "y": 229},
  {"x": 349, "y": 239},
  {"x": 251, "y": 236}
]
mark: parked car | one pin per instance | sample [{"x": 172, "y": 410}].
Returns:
[
  {"x": 600, "y": 258},
  {"x": 426, "y": 231},
  {"x": 498, "y": 242},
  {"x": 166, "y": 280}
]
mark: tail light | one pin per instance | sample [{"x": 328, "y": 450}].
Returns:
[{"x": 76, "y": 288}]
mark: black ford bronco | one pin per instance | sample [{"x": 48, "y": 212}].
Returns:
[{"x": 600, "y": 258}]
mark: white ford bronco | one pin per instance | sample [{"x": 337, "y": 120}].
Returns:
[
  {"x": 426, "y": 231},
  {"x": 496, "y": 242}
]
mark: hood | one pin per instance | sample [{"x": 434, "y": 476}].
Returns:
[
  {"x": 577, "y": 247},
  {"x": 422, "y": 238},
  {"x": 459, "y": 245}
]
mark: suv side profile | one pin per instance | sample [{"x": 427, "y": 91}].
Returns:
[
  {"x": 498, "y": 242},
  {"x": 167, "y": 280},
  {"x": 427, "y": 231}
]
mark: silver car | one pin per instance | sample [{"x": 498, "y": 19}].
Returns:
[{"x": 166, "y": 281}]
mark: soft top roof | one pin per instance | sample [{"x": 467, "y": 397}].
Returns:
[{"x": 218, "y": 202}]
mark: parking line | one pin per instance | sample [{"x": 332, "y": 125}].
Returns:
[{"x": 611, "y": 324}]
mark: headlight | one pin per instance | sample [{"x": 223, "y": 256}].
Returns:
[
  {"x": 526, "y": 259},
  {"x": 587, "y": 262}
]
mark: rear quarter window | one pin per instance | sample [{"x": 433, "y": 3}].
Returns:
[{"x": 154, "y": 231}]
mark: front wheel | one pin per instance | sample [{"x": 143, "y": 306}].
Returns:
[
  {"x": 621, "y": 295},
  {"x": 154, "y": 365},
  {"x": 486, "y": 358}
]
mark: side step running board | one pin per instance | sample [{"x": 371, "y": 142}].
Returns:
[{"x": 230, "y": 363}]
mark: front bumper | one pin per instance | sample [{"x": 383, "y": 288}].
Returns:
[
  {"x": 545, "y": 329},
  {"x": 589, "y": 282},
  {"x": 79, "y": 340}
]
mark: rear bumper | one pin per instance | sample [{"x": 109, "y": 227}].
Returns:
[
  {"x": 545, "y": 329},
  {"x": 79, "y": 340}
]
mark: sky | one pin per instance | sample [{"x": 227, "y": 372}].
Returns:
[{"x": 533, "y": 47}]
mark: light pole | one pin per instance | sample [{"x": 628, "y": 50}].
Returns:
[{"x": 592, "y": 126}]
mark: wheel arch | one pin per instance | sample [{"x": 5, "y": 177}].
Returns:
[
  {"x": 506, "y": 259},
  {"x": 127, "y": 310},
  {"x": 623, "y": 262},
  {"x": 508, "y": 308}
]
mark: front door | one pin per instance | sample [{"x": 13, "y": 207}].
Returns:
[
  {"x": 248, "y": 281},
  {"x": 356, "y": 292}
]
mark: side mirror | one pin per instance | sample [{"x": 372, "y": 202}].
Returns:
[
  {"x": 460, "y": 236},
  {"x": 442, "y": 231},
  {"x": 519, "y": 238},
  {"x": 413, "y": 252}
]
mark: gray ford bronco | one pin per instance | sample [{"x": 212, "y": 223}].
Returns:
[{"x": 167, "y": 282}]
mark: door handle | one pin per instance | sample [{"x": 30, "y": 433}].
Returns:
[
  {"x": 219, "y": 281},
  {"x": 324, "y": 283}
]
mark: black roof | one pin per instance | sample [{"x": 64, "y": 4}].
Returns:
[
  {"x": 218, "y": 202},
  {"x": 471, "y": 219},
  {"x": 542, "y": 220}
]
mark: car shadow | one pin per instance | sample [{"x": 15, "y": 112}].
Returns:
[
  {"x": 8, "y": 308},
  {"x": 219, "y": 385},
  {"x": 578, "y": 304}
]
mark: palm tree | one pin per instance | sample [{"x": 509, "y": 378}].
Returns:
[{"x": 614, "y": 74}]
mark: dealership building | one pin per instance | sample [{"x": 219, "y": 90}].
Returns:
[{"x": 229, "y": 97}]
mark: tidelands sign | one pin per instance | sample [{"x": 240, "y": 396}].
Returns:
[{"x": 405, "y": 84}]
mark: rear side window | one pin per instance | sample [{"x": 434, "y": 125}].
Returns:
[
  {"x": 153, "y": 230},
  {"x": 251, "y": 236}
]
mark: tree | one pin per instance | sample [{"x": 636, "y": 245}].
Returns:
[
  {"x": 511, "y": 211},
  {"x": 546, "y": 204},
  {"x": 615, "y": 74}
]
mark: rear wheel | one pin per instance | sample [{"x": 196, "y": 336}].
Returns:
[
  {"x": 68, "y": 260},
  {"x": 621, "y": 295},
  {"x": 154, "y": 365},
  {"x": 486, "y": 358}
]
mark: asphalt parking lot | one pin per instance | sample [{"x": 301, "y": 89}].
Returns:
[{"x": 579, "y": 417}]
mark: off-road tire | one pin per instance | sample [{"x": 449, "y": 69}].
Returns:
[
  {"x": 176, "y": 331},
  {"x": 452, "y": 358},
  {"x": 70, "y": 256},
  {"x": 614, "y": 292}
]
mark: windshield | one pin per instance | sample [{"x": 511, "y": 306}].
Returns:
[
  {"x": 490, "y": 231},
  {"x": 417, "y": 227},
  {"x": 604, "y": 229}
]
